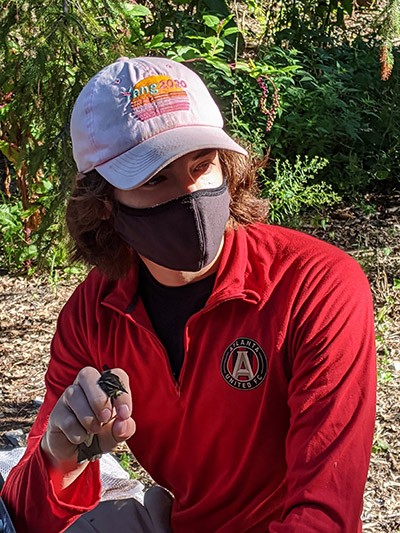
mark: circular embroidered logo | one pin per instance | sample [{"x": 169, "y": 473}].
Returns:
[{"x": 244, "y": 364}]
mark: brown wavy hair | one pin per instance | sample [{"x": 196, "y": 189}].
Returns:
[{"x": 92, "y": 207}]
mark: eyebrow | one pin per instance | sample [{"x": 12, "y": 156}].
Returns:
[{"x": 198, "y": 156}]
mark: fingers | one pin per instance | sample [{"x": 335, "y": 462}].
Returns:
[
  {"x": 100, "y": 403},
  {"x": 80, "y": 418},
  {"x": 85, "y": 408},
  {"x": 95, "y": 414},
  {"x": 85, "y": 390}
]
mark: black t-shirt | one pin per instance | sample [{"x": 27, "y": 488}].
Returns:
[{"x": 169, "y": 308}]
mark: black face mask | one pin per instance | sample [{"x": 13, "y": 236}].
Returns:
[{"x": 182, "y": 234}]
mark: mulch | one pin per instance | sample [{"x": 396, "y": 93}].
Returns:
[{"x": 29, "y": 310}]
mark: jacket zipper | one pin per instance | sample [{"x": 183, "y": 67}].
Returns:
[{"x": 208, "y": 307}]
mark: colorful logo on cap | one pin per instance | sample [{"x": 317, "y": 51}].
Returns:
[{"x": 157, "y": 95}]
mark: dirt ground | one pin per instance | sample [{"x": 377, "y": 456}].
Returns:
[{"x": 29, "y": 309}]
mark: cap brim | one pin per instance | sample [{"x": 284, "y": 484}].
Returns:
[{"x": 136, "y": 166}]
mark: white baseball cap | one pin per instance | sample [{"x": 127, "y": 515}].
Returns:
[{"x": 138, "y": 115}]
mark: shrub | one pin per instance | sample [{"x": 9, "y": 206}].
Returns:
[
  {"x": 332, "y": 105},
  {"x": 292, "y": 190},
  {"x": 340, "y": 109}
]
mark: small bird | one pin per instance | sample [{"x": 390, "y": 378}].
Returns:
[{"x": 111, "y": 384}]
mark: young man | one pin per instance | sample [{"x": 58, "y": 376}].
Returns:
[{"x": 246, "y": 350}]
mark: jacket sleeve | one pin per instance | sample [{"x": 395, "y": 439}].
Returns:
[
  {"x": 28, "y": 492},
  {"x": 332, "y": 402}
]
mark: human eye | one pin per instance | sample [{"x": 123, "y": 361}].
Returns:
[
  {"x": 205, "y": 163},
  {"x": 154, "y": 181},
  {"x": 203, "y": 167}
]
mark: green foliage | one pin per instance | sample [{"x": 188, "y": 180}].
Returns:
[
  {"x": 240, "y": 97},
  {"x": 298, "y": 22},
  {"x": 338, "y": 107},
  {"x": 389, "y": 21},
  {"x": 19, "y": 247},
  {"x": 48, "y": 51},
  {"x": 383, "y": 372},
  {"x": 125, "y": 460},
  {"x": 303, "y": 19},
  {"x": 292, "y": 190},
  {"x": 379, "y": 446},
  {"x": 389, "y": 30},
  {"x": 209, "y": 42},
  {"x": 333, "y": 106},
  {"x": 12, "y": 234}
]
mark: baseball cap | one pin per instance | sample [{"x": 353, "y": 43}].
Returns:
[{"x": 138, "y": 115}]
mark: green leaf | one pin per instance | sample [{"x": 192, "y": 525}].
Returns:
[
  {"x": 226, "y": 20},
  {"x": 26, "y": 253},
  {"x": 4, "y": 111},
  {"x": 381, "y": 174},
  {"x": 290, "y": 68},
  {"x": 241, "y": 65},
  {"x": 382, "y": 314},
  {"x": 181, "y": 50},
  {"x": 380, "y": 446},
  {"x": 213, "y": 45},
  {"x": 43, "y": 186},
  {"x": 9, "y": 220},
  {"x": 73, "y": 271},
  {"x": 219, "y": 64},
  {"x": 157, "y": 42},
  {"x": 211, "y": 21},
  {"x": 157, "y": 38},
  {"x": 182, "y": 53},
  {"x": 10, "y": 152},
  {"x": 396, "y": 283},
  {"x": 136, "y": 10},
  {"x": 230, "y": 31}
]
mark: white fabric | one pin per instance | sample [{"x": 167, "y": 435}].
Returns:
[
  {"x": 115, "y": 481},
  {"x": 8, "y": 459}
]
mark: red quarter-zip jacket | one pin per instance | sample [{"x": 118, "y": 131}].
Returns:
[{"x": 270, "y": 426}]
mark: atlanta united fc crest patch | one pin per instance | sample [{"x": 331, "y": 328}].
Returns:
[{"x": 244, "y": 364}]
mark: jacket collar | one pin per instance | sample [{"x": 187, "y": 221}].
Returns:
[{"x": 236, "y": 277}]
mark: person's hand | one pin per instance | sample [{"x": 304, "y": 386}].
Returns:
[{"x": 85, "y": 408}]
